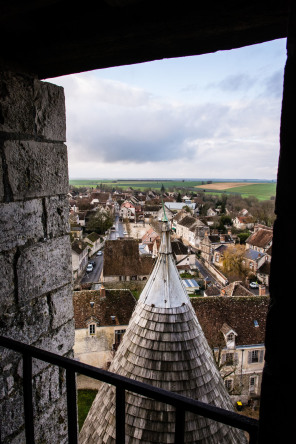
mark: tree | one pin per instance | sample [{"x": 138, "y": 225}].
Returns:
[
  {"x": 99, "y": 222},
  {"x": 233, "y": 260},
  {"x": 162, "y": 189},
  {"x": 179, "y": 198}
]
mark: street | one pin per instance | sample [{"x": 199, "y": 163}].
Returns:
[
  {"x": 94, "y": 276},
  {"x": 204, "y": 272},
  {"x": 119, "y": 229}
]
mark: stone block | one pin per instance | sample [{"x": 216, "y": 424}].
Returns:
[
  {"x": 60, "y": 341},
  {"x": 57, "y": 216},
  {"x": 46, "y": 388},
  {"x": 1, "y": 181},
  {"x": 36, "y": 169},
  {"x": 20, "y": 222},
  {"x": 30, "y": 322},
  {"x": 16, "y": 103},
  {"x": 12, "y": 415},
  {"x": 50, "y": 117},
  {"x": 61, "y": 306},
  {"x": 6, "y": 284},
  {"x": 52, "y": 425},
  {"x": 44, "y": 267}
]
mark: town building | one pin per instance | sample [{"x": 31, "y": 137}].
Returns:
[
  {"x": 101, "y": 318},
  {"x": 164, "y": 345},
  {"x": 123, "y": 262}
]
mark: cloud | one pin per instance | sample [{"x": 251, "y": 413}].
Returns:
[
  {"x": 117, "y": 130},
  {"x": 273, "y": 84},
  {"x": 233, "y": 83}
]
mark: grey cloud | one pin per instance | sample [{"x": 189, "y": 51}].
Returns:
[
  {"x": 274, "y": 84},
  {"x": 236, "y": 82}
]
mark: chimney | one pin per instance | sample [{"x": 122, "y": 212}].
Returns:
[
  {"x": 222, "y": 292},
  {"x": 102, "y": 292},
  {"x": 262, "y": 290},
  {"x": 229, "y": 232}
]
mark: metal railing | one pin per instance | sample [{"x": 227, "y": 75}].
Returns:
[{"x": 122, "y": 384}]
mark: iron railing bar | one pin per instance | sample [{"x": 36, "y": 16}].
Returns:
[
  {"x": 28, "y": 398},
  {"x": 71, "y": 407},
  {"x": 179, "y": 425},
  {"x": 218, "y": 414},
  {"x": 120, "y": 415}
]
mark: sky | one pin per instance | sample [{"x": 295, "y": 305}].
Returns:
[{"x": 209, "y": 116}]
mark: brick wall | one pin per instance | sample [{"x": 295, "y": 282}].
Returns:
[{"x": 35, "y": 253}]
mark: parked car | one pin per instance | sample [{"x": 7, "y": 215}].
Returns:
[
  {"x": 254, "y": 285},
  {"x": 92, "y": 263},
  {"x": 89, "y": 268},
  {"x": 125, "y": 233},
  {"x": 99, "y": 253}
]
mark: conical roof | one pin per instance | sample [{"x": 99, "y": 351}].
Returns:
[{"x": 164, "y": 346}]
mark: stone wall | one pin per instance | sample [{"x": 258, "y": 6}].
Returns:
[{"x": 35, "y": 252}]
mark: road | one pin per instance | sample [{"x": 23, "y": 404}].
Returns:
[
  {"x": 94, "y": 276},
  {"x": 119, "y": 229},
  {"x": 204, "y": 272}
]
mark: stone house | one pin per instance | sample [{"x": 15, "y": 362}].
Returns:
[
  {"x": 79, "y": 257},
  {"x": 123, "y": 262},
  {"x": 243, "y": 222},
  {"x": 254, "y": 259},
  {"x": 186, "y": 227},
  {"x": 127, "y": 211},
  {"x": 261, "y": 239},
  {"x": 168, "y": 213},
  {"x": 183, "y": 255},
  {"x": 235, "y": 329},
  {"x": 101, "y": 318},
  {"x": 210, "y": 243},
  {"x": 94, "y": 242}
]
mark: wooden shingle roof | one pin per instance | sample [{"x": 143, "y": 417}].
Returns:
[{"x": 164, "y": 345}]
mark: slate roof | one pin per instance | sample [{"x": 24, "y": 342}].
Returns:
[
  {"x": 122, "y": 258},
  {"x": 187, "y": 221},
  {"x": 260, "y": 238},
  {"x": 118, "y": 303},
  {"x": 239, "y": 313},
  {"x": 163, "y": 345},
  {"x": 179, "y": 248},
  {"x": 253, "y": 255}
]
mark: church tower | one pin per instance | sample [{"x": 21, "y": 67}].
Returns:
[{"x": 164, "y": 345}]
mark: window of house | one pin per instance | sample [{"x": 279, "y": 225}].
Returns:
[
  {"x": 92, "y": 329},
  {"x": 230, "y": 337},
  {"x": 255, "y": 356},
  {"x": 253, "y": 383},
  {"x": 118, "y": 336}
]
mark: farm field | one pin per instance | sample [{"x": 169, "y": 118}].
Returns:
[
  {"x": 262, "y": 191},
  {"x": 137, "y": 184}
]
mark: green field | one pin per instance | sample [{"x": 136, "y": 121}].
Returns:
[
  {"x": 262, "y": 191},
  {"x": 136, "y": 184}
]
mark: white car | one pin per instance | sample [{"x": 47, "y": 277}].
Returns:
[
  {"x": 99, "y": 253},
  {"x": 89, "y": 268},
  {"x": 254, "y": 285},
  {"x": 125, "y": 233}
]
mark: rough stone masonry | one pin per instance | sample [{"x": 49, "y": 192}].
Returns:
[{"x": 35, "y": 255}]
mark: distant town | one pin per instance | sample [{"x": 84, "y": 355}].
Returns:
[{"x": 222, "y": 246}]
